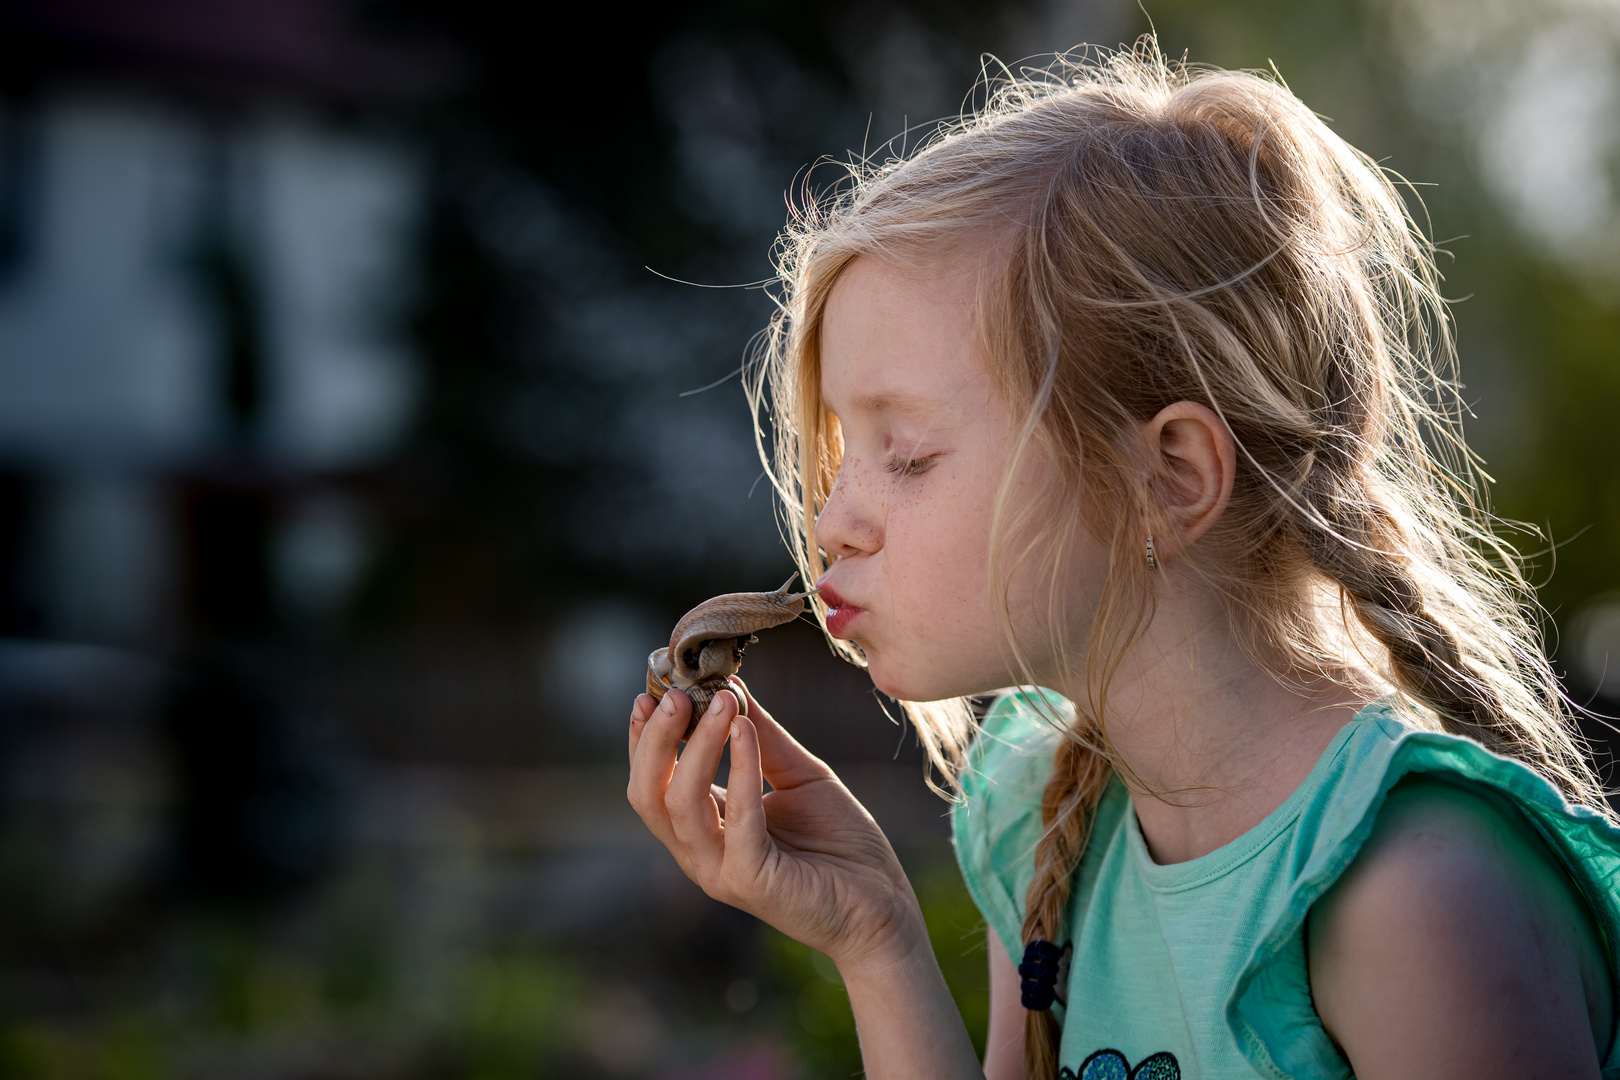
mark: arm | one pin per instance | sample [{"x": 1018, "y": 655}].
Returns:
[
  {"x": 1456, "y": 946},
  {"x": 806, "y": 858},
  {"x": 1004, "y": 1045}
]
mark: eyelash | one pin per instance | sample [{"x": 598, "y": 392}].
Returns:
[{"x": 909, "y": 466}]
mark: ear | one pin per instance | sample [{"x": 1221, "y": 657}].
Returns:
[{"x": 1195, "y": 459}]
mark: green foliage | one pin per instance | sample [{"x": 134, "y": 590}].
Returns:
[
  {"x": 518, "y": 1006},
  {"x": 815, "y": 1008},
  {"x": 127, "y": 1046},
  {"x": 239, "y": 987},
  {"x": 1561, "y": 475}
]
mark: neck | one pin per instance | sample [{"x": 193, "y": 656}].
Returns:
[{"x": 1207, "y": 740}]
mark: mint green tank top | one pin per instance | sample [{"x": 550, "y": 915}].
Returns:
[{"x": 1197, "y": 969}]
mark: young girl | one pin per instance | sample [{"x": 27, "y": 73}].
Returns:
[{"x": 1133, "y": 386}]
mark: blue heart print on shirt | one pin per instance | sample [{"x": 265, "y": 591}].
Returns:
[{"x": 1111, "y": 1065}]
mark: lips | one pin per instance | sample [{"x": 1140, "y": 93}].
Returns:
[{"x": 840, "y": 612}]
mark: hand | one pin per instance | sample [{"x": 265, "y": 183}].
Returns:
[{"x": 806, "y": 858}]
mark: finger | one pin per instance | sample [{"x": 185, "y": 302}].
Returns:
[
  {"x": 718, "y": 794},
  {"x": 745, "y": 697},
  {"x": 640, "y": 713},
  {"x": 654, "y": 763},
  {"x": 783, "y": 760},
  {"x": 746, "y": 838},
  {"x": 693, "y": 815}
]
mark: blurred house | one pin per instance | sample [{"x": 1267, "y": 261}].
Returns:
[
  {"x": 204, "y": 243},
  {"x": 206, "y": 235}
]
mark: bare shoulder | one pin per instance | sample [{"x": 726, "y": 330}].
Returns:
[{"x": 1457, "y": 946}]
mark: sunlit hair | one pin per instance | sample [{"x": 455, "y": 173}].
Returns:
[{"x": 1154, "y": 233}]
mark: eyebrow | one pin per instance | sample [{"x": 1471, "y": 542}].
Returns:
[{"x": 892, "y": 401}]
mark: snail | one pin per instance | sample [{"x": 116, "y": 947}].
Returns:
[{"x": 707, "y": 645}]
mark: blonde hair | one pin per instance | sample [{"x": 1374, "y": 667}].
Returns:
[{"x": 1158, "y": 233}]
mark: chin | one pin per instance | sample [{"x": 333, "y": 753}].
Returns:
[
  {"x": 889, "y": 681},
  {"x": 908, "y": 686}
]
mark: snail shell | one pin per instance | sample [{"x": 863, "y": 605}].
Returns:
[{"x": 706, "y": 648}]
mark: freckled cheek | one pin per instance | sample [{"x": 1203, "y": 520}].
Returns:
[{"x": 937, "y": 577}]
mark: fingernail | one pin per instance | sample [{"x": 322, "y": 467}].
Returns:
[
  {"x": 736, "y": 729},
  {"x": 667, "y": 706},
  {"x": 714, "y": 707}
]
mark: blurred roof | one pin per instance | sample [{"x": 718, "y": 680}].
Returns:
[{"x": 342, "y": 53}]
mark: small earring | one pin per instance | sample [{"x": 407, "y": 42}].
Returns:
[{"x": 1152, "y": 559}]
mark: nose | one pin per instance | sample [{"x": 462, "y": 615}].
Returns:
[{"x": 850, "y": 522}]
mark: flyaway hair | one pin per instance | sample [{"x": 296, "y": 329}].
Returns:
[{"x": 1153, "y": 232}]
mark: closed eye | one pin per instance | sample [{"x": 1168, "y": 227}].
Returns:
[{"x": 909, "y": 466}]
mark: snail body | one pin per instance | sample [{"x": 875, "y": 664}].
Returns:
[{"x": 706, "y": 647}]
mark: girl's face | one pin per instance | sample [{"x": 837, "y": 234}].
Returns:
[{"x": 926, "y": 444}]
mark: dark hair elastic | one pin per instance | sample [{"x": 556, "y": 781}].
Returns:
[{"x": 1042, "y": 964}]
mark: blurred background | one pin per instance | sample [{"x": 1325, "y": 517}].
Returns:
[{"x": 366, "y": 415}]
